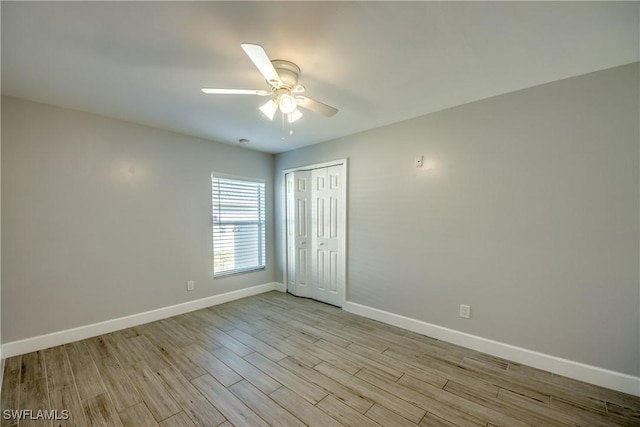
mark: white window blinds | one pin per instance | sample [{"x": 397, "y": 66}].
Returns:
[{"x": 238, "y": 225}]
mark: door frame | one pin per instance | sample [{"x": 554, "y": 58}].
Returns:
[{"x": 344, "y": 194}]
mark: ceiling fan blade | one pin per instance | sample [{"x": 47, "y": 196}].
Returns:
[
  {"x": 209, "y": 91},
  {"x": 259, "y": 57},
  {"x": 316, "y": 106}
]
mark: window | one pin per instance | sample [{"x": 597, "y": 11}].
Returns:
[{"x": 238, "y": 224}]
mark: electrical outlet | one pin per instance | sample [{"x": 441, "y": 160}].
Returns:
[
  {"x": 191, "y": 285},
  {"x": 418, "y": 161},
  {"x": 465, "y": 311}
]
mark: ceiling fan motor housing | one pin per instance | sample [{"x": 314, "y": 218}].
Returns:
[{"x": 288, "y": 72}]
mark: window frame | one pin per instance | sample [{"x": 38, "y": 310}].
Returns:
[{"x": 259, "y": 222}]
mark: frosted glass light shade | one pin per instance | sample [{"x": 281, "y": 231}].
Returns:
[
  {"x": 287, "y": 103},
  {"x": 294, "y": 116},
  {"x": 269, "y": 109}
]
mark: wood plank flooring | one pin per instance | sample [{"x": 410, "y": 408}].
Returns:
[{"x": 278, "y": 360}]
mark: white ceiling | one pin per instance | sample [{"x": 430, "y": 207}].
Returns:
[{"x": 377, "y": 62}]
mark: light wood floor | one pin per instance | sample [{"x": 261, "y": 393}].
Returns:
[{"x": 277, "y": 360}]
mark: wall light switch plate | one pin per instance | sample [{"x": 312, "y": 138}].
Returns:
[
  {"x": 418, "y": 161},
  {"x": 465, "y": 311}
]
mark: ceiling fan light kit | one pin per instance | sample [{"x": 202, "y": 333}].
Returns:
[
  {"x": 282, "y": 77},
  {"x": 286, "y": 102}
]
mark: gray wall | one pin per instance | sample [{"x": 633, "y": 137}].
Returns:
[
  {"x": 1, "y": 358},
  {"x": 529, "y": 213},
  {"x": 103, "y": 218}
]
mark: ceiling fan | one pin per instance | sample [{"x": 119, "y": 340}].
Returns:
[{"x": 284, "y": 89}]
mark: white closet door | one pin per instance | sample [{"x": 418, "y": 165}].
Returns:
[
  {"x": 328, "y": 229},
  {"x": 298, "y": 189}
]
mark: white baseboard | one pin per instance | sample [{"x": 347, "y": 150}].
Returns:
[
  {"x": 281, "y": 287},
  {"x": 568, "y": 368},
  {"x": 41, "y": 342}
]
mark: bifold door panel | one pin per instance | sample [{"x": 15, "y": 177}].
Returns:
[{"x": 316, "y": 233}]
